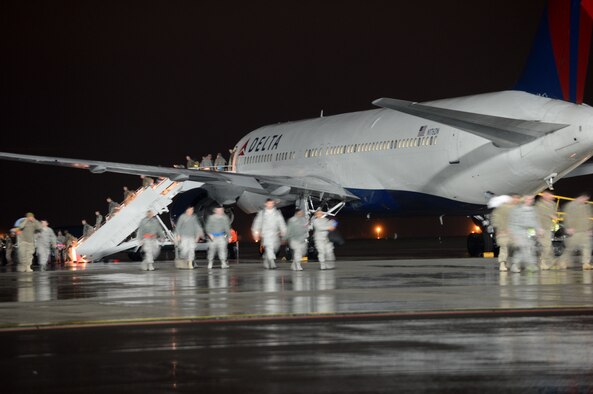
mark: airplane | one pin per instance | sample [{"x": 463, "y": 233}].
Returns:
[{"x": 403, "y": 158}]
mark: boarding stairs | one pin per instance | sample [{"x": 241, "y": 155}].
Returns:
[{"x": 118, "y": 232}]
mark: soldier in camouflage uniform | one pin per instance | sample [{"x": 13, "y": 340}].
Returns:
[
  {"x": 578, "y": 225},
  {"x": 500, "y": 221}
]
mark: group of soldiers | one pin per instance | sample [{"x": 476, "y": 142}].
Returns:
[
  {"x": 33, "y": 237},
  {"x": 269, "y": 228},
  {"x": 520, "y": 224},
  {"x": 206, "y": 163},
  {"x": 113, "y": 207}
]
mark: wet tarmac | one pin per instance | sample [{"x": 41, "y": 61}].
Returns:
[
  {"x": 493, "y": 355},
  {"x": 413, "y": 325}
]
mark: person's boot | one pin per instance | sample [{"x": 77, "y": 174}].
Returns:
[
  {"x": 144, "y": 266},
  {"x": 531, "y": 268},
  {"x": 515, "y": 268},
  {"x": 190, "y": 265},
  {"x": 224, "y": 265},
  {"x": 587, "y": 266},
  {"x": 503, "y": 267},
  {"x": 561, "y": 265},
  {"x": 299, "y": 266},
  {"x": 272, "y": 265},
  {"x": 543, "y": 266},
  {"x": 293, "y": 266},
  {"x": 150, "y": 267},
  {"x": 210, "y": 263},
  {"x": 322, "y": 266}
]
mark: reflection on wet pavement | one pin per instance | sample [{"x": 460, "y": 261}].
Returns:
[{"x": 109, "y": 292}]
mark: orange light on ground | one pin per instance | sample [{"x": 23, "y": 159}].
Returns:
[{"x": 378, "y": 231}]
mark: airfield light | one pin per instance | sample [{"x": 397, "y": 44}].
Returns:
[
  {"x": 477, "y": 230},
  {"x": 378, "y": 231}
]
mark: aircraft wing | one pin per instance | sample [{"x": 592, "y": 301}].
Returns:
[
  {"x": 503, "y": 132},
  {"x": 264, "y": 184}
]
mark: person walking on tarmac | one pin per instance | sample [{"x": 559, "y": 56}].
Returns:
[
  {"x": 297, "y": 231},
  {"x": 579, "y": 226},
  {"x": 46, "y": 242},
  {"x": 188, "y": 233},
  {"x": 218, "y": 228},
  {"x": 325, "y": 249},
  {"x": 26, "y": 242},
  {"x": 500, "y": 221},
  {"x": 149, "y": 233},
  {"x": 269, "y": 226},
  {"x": 524, "y": 228},
  {"x": 546, "y": 214}
]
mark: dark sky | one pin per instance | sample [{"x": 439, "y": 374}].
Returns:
[{"x": 151, "y": 81}]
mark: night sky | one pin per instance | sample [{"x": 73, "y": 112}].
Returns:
[{"x": 151, "y": 81}]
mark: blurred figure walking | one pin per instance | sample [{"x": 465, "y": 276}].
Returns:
[
  {"x": 500, "y": 220},
  {"x": 149, "y": 233},
  {"x": 188, "y": 233},
  {"x": 46, "y": 243},
  {"x": 218, "y": 227},
  {"x": 297, "y": 232},
  {"x": 269, "y": 226},
  {"x": 325, "y": 249},
  {"x": 524, "y": 228},
  {"x": 546, "y": 214},
  {"x": 578, "y": 225},
  {"x": 26, "y": 242}
]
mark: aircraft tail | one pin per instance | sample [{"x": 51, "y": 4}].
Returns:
[{"x": 557, "y": 65}]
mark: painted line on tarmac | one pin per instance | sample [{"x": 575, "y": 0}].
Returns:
[{"x": 283, "y": 317}]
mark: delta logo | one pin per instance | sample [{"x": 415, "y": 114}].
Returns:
[{"x": 261, "y": 144}]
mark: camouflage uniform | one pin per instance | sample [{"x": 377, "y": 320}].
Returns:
[
  {"x": 26, "y": 243},
  {"x": 218, "y": 228},
  {"x": 325, "y": 249},
  {"x": 546, "y": 213},
  {"x": 148, "y": 233},
  {"x": 297, "y": 232},
  {"x": 500, "y": 221},
  {"x": 577, "y": 217},
  {"x": 270, "y": 224}
]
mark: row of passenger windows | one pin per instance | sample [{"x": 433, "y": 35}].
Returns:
[
  {"x": 285, "y": 156},
  {"x": 343, "y": 149},
  {"x": 269, "y": 157},
  {"x": 372, "y": 146}
]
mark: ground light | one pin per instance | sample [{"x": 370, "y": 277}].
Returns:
[{"x": 378, "y": 231}]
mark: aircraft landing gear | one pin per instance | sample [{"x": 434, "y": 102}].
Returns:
[{"x": 550, "y": 180}]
